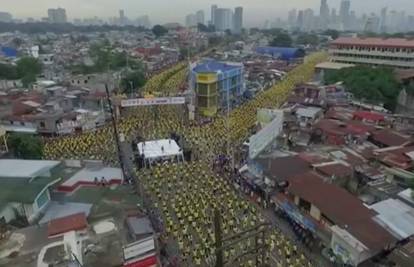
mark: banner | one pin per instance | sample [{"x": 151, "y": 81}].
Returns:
[{"x": 153, "y": 101}]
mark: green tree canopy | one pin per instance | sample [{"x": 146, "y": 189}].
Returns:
[
  {"x": 282, "y": 39},
  {"x": 308, "y": 39},
  {"x": 159, "y": 30},
  {"x": 334, "y": 34},
  {"x": 376, "y": 85},
  {"x": 133, "y": 81},
  {"x": 28, "y": 65},
  {"x": 25, "y": 146}
]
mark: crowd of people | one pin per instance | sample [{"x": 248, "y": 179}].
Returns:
[{"x": 187, "y": 194}]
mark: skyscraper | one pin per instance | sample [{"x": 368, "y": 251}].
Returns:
[
  {"x": 383, "y": 20},
  {"x": 213, "y": 14},
  {"x": 191, "y": 20},
  {"x": 223, "y": 19},
  {"x": 238, "y": 20},
  {"x": 122, "y": 18},
  {"x": 5, "y": 17},
  {"x": 299, "y": 21},
  {"x": 57, "y": 15},
  {"x": 324, "y": 14},
  {"x": 344, "y": 13},
  {"x": 292, "y": 18},
  {"x": 200, "y": 17},
  {"x": 308, "y": 20}
]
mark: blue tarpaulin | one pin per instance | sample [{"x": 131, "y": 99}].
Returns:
[{"x": 8, "y": 51}]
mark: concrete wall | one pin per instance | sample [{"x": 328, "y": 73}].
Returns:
[
  {"x": 8, "y": 213},
  {"x": 405, "y": 103}
]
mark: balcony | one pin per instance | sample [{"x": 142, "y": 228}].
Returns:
[
  {"x": 372, "y": 53},
  {"x": 373, "y": 61}
]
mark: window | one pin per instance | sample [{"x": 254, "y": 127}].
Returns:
[
  {"x": 42, "y": 124},
  {"x": 22, "y": 123}
]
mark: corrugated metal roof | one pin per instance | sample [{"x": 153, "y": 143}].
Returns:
[
  {"x": 396, "y": 216},
  {"x": 214, "y": 66}
]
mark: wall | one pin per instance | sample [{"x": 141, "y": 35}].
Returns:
[
  {"x": 8, "y": 213},
  {"x": 343, "y": 248},
  {"x": 32, "y": 211},
  {"x": 405, "y": 103},
  {"x": 315, "y": 213}
]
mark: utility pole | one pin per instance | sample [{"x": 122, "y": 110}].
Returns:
[
  {"x": 256, "y": 252},
  {"x": 118, "y": 145},
  {"x": 217, "y": 229}
]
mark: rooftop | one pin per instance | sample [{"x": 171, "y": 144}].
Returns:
[
  {"x": 395, "y": 216},
  {"x": 390, "y": 42},
  {"x": 214, "y": 66},
  {"x": 281, "y": 168},
  {"x": 67, "y": 224},
  {"x": 343, "y": 208},
  {"x": 15, "y": 168},
  {"x": 333, "y": 65}
]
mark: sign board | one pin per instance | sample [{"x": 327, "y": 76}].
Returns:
[
  {"x": 262, "y": 139},
  {"x": 153, "y": 101},
  {"x": 138, "y": 248}
]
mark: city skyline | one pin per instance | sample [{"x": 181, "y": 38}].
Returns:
[{"x": 255, "y": 13}]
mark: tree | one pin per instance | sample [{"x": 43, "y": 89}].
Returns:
[
  {"x": 8, "y": 72},
  {"x": 308, "y": 39},
  {"x": 25, "y": 146},
  {"x": 159, "y": 30},
  {"x": 282, "y": 40},
  {"x": 334, "y": 34},
  {"x": 133, "y": 81},
  {"x": 28, "y": 66},
  {"x": 377, "y": 85}
]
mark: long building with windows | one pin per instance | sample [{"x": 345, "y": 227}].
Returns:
[
  {"x": 392, "y": 52},
  {"x": 217, "y": 85}
]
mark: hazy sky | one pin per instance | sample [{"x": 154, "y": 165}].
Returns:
[{"x": 161, "y": 11}]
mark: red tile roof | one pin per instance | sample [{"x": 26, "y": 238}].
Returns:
[
  {"x": 369, "y": 116},
  {"x": 390, "y": 42},
  {"x": 66, "y": 224},
  {"x": 390, "y": 138},
  {"x": 346, "y": 210},
  {"x": 284, "y": 167}
]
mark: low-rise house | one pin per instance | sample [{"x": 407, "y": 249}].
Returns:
[
  {"x": 24, "y": 188},
  {"x": 336, "y": 217}
]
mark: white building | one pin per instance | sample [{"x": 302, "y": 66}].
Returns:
[
  {"x": 392, "y": 52},
  {"x": 238, "y": 20}
]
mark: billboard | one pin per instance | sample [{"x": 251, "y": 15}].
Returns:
[
  {"x": 262, "y": 139},
  {"x": 153, "y": 101}
]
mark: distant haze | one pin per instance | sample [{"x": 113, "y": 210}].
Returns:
[{"x": 162, "y": 11}]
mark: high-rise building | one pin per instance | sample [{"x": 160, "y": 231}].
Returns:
[
  {"x": 57, "y": 15},
  {"x": 299, "y": 21},
  {"x": 292, "y": 18},
  {"x": 122, "y": 18},
  {"x": 143, "y": 21},
  {"x": 191, "y": 20},
  {"x": 383, "y": 22},
  {"x": 372, "y": 24},
  {"x": 200, "y": 17},
  {"x": 5, "y": 17},
  {"x": 324, "y": 14},
  {"x": 344, "y": 13},
  {"x": 238, "y": 20},
  {"x": 308, "y": 20},
  {"x": 213, "y": 14},
  {"x": 223, "y": 19}
]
